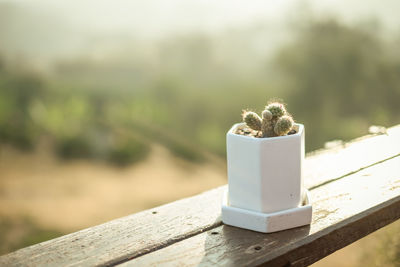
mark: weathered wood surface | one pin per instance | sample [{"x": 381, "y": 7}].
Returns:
[
  {"x": 344, "y": 211},
  {"x": 126, "y": 237},
  {"x": 149, "y": 231},
  {"x": 325, "y": 165}
]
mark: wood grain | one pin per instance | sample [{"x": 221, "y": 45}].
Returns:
[
  {"x": 344, "y": 211},
  {"x": 126, "y": 237},
  {"x": 326, "y": 165},
  {"x": 142, "y": 233}
]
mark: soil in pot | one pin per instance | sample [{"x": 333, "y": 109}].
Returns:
[{"x": 244, "y": 130}]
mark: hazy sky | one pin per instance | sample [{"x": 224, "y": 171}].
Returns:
[
  {"x": 149, "y": 18},
  {"x": 52, "y": 28}
]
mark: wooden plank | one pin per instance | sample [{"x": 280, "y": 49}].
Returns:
[
  {"x": 326, "y": 165},
  {"x": 144, "y": 232},
  {"x": 344, "y": 211},
  {"x": 126, "y": 237}
]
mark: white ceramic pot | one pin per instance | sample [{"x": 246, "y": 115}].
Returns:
[{"x": 265, "y": 174}]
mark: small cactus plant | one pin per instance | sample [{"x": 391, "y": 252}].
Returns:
[{"x": 274, "y": 120}]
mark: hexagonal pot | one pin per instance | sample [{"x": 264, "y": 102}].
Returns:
[{"x": 265, "y": 174}]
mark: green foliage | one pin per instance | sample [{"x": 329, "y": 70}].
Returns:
[
  {"x": 185, "y": 151},
  {"x": 337, "y": 74},
  {"x": 128, "y": 151},
  {"x": 18, "y": 233},
  {"x": 18, "y": 90},
  {"x": 330, "y": 74},
  {"x": 74, "y": 147},
  {"x": 37, "y": 235}
]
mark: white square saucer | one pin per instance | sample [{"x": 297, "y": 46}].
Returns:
[{"x": 267, "y": 222}]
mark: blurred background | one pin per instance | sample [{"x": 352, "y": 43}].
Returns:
[{"x": 111, "y": 107}]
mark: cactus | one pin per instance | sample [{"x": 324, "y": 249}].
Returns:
[
  {"x": 252, "y": 120},
  {"x": 277, "y": 109},
  {"x": 274, "y": 121},
  {"x": 283, "y": 125}
]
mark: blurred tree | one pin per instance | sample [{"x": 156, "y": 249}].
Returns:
[
  {"x": 18, "y": 90},
  {"x": 339, "y": 79}
]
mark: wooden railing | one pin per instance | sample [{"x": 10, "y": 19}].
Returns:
[{"x": 354, "y": 187}]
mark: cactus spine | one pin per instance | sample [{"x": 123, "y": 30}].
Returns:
[
  {"x": 274, "y": 121},
  {"x": 252, "y": 120},
  {"x": 283, "y": 125}
]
